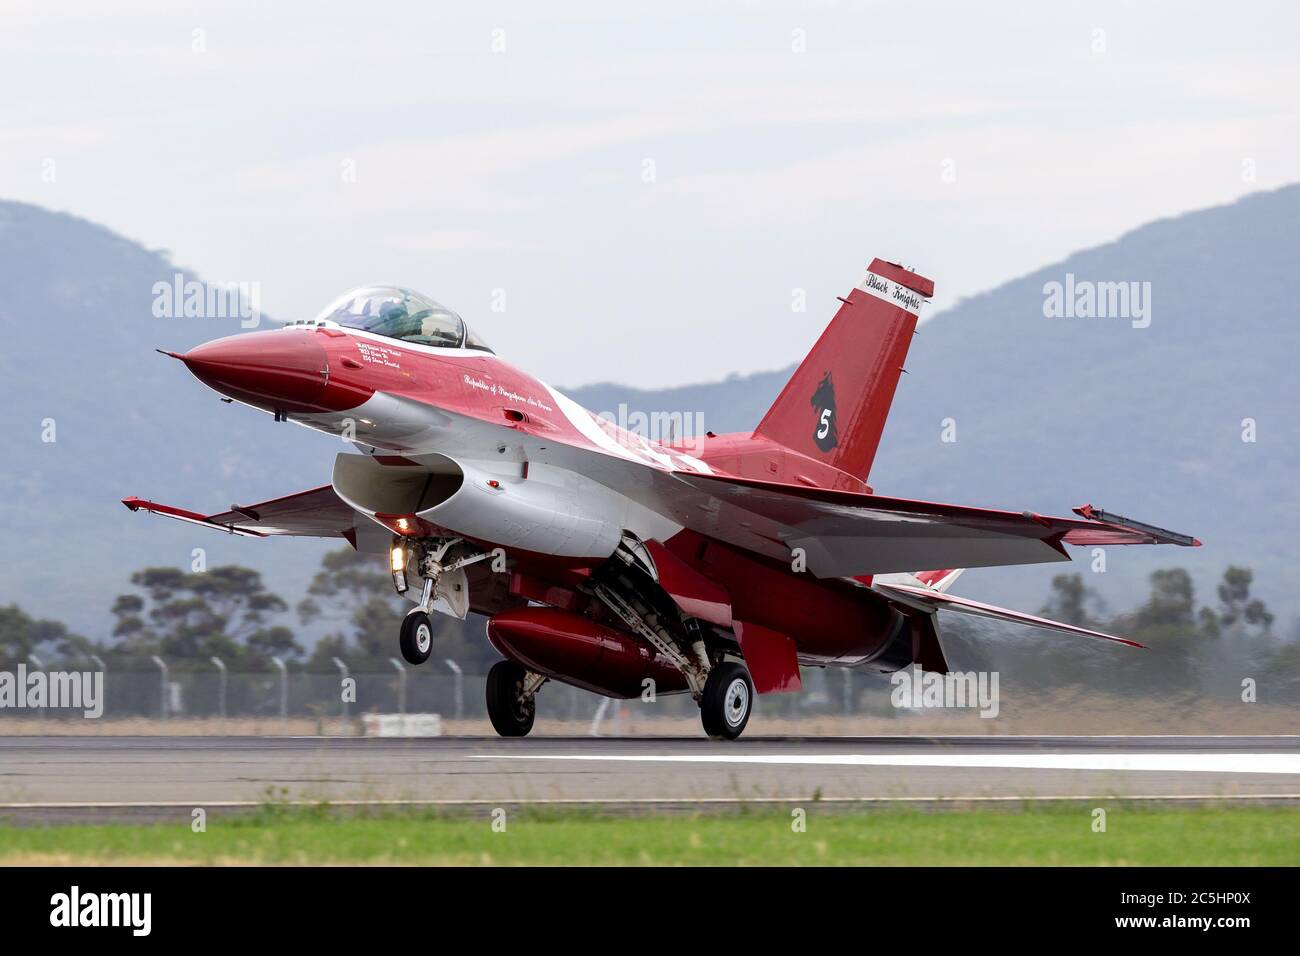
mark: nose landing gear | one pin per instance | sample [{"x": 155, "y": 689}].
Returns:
[
  {"x": 440, "y": 564},
  {"x": 416, "y": 637}
]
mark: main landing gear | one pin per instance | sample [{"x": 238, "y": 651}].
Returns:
[
  {"x": 727, "y": 701},
  {"x": 512, "y": 698},
  {"x": 722, "y": 688}
]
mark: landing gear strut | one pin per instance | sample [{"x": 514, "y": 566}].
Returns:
[
  {"x": 416, "y": 637},
  {"x": 722, "y": 688},
  {"x": 440, "y": 565},
  {"x": 727, "y": 701},
  {"x": 512, "y": 698}
]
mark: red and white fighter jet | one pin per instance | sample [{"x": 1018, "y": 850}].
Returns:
[{"x": 714, "y": 565}]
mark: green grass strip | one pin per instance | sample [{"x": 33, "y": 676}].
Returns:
[{"x": 1030, "y": 835}]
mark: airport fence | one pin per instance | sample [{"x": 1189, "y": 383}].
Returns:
[
  {"x": 205, "y": 694},
  {"x": 203, "y": 700}
]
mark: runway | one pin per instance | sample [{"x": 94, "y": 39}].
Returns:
[{"x": 53, "y": 779}]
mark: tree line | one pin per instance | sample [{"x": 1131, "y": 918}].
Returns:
[
  {"x": 188, "y": 617},
  {"x": 1197, "y": 648},
  {"x": 227, "y": 612}
]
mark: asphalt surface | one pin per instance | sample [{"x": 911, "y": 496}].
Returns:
[{"x": 53, "y": 779}]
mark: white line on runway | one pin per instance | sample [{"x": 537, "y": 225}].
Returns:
[
  {"x": 1177, "y": 762},
  {"x": 187, "y": 805}
]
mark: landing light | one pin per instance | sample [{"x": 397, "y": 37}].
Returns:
[{"x": 397, "y": 561}]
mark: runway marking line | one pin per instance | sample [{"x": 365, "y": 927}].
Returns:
[
  {"x": 1284, "y": 763},
  {"x": 655, "y": 801},
  {"x": 759, "y": 738}
]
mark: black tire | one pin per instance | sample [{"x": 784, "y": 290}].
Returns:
[
  {"x": 510, "y": 716},
  {"x": 728, "y": 701},
  {"x": 416, "y": 641}
]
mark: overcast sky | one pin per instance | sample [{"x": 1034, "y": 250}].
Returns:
[{"x": 646, "y": 190}]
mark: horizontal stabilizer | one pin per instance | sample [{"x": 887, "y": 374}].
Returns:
[{"x": 924, "y": 598}]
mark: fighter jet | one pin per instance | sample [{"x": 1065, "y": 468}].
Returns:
[{"x": 714, "y": 565}]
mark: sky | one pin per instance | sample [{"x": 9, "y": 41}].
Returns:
[{"x": 652, "y": 196}]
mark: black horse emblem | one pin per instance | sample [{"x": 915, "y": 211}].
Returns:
[{"x": 823, "y": 401}]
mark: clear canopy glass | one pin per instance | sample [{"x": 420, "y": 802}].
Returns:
[{"x": 404, "y": 315}]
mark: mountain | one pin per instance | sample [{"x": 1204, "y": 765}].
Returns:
[
  {"x": 1049, "y": 412},
  {"x": 78, "y": 333}
]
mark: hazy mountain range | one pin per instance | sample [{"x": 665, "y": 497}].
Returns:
[{"x": 1048, "y": 412}]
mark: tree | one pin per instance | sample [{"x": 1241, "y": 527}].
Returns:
[
  {"x": 188, "y": 617},
  {"x": 1167, "y": 624},
  {"x": 1171, "y": 606},
  {"x": 1280, "y": 665},
  {"x": 354, "y": 590},
  {"x": 1238, "y": 613},
  {"x": 22, "y": 635},
  {"x": 1072, "y": 602}
]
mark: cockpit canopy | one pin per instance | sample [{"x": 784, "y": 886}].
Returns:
[{"x": 402, "y": 314}]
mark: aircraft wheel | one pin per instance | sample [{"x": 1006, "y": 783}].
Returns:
[
  {"x": 417, "y": 637},
  {"x": 728, "y": 700},
  {"x": 511, "y": 715}
]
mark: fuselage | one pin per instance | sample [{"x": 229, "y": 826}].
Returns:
[{"x": 458, "y": 440}]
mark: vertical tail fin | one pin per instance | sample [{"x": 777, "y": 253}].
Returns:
[{"x": 834, "y": 407}]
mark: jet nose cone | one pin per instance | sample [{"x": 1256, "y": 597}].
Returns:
[{"x": 281, "y": 370}]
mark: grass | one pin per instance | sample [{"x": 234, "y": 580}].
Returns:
[{"x": 1026, "y": 836}]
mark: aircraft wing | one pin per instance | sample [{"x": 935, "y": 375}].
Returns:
[
  {"x": 847, "y": 534},
  {"x": 318, "y": 513}
]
